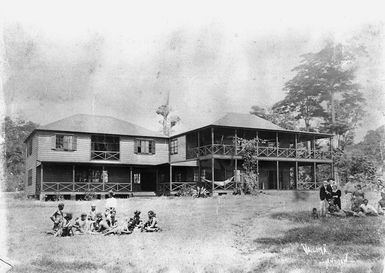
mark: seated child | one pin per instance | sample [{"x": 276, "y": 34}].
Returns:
[
  {"x": 66, "y": 228},
  {"x": 135, "y": 221},
  {"x": 111, "y": 220},
  {"x": 119, "y": 230},
  {"x": 152, "y": 224},
  {"x": 368, "y": 209},
  {"x": 355, "y": 209},
  {"x": 57, "y": 217},
  {"x": 334, "y": 209},
  {"x": 81, "y": 225},
  {"x": 92, "y": 213},
  {"x": 99, "y": 225}
]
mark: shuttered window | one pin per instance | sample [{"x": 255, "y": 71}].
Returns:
[
  {"x": 144, "y": 146},
  {"x": 64, "y": 142}
]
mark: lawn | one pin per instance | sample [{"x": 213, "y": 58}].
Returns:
[{"x": 271, "y": 232}]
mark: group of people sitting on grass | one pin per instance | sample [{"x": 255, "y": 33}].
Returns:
[
  {"x": 355, "y": 203},
  {"x": 97, "y": 223}
]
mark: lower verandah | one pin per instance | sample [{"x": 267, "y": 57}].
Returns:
[
  {"x": 272, "y": 175},
  {"x": 55, "y": 178}
]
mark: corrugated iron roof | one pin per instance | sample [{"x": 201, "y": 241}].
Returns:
[
  {"x": 245, "y": 121},
  {"x": 98, "y": 125}
]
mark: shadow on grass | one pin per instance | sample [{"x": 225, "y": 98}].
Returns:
[
  {"x": 360, "y": 231},
  {"x": 297, "y": 217},
  {"x": 47, "y": 264}
]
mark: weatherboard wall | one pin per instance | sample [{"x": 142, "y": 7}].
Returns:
[
  {"x": 31, "y": 164},
  {"x": 83, "y": 151},
  {"x": 181, "y": 154}
]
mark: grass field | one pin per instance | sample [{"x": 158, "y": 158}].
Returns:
[{"x": 271, "y": 232}]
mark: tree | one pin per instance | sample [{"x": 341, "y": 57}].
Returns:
[
  {"x": 15, "y": 134},
  {"x": 250, "y": 164},
  {"x": 324, "y": 89},
  {"x": 373, "y": 146},
  {"x": 167, "y": 121}
]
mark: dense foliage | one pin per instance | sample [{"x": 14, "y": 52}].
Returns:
[
  {"x": 324, "y": 96},
  {"x": 16, "y": 131}
]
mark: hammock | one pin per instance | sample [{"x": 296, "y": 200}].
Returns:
[{"x": 221, "y": 183}]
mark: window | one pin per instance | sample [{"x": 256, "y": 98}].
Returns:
[
  {"x": 105, "y": 143},
  {"x": 144, "y": 146},
  {"x": 64, "y": 143},
  {"x": 30, "y": 177},
  {"x": 174, "y": 146},
  {"x": 29, "y": 147}
]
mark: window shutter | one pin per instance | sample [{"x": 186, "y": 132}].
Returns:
[
  {"x": 136, "y": 146},
  {"x": 67, "y": 143},
  {"x": 53, "y": 142},
  {"x": 74, "y": 143}
]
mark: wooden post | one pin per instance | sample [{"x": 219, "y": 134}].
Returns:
[
  {"x": 276, "y": 142},
  {"x": 258, "y": 173},
  {"x": 236, "y": 150},
  {"x": 41, "y": 179},
  {"x": 257, "y": 143},
  {"x": 131, "y": 178},
  {"x": 73, "y": 177},
  {"x": 236, "y": 142},
  {"x": 315, "y": 174},
  {"x": 199, "y": 143},
  {"x": 295, "y": 145},
  {"x": 313, "y": 147},
  {"x": 277, "y": 175},
  {"x": 170, "y": 177},
  {"x": 212, "y": 174},
  {"x": 296, "y": 175}
]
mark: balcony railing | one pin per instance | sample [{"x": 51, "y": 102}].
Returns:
[
  {"x": 85, "y": 187},
  {"x": 222, "y": 149},
  {"x": 104, "y": 155}
]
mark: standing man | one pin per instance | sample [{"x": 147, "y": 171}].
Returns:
[{"x": 323, "y": 198}]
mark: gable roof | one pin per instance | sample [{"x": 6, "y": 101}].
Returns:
[
  {"x": 98, "y": 125},
  {"x": 245, "y": 121},
  {"x": 249, "y": 121}
]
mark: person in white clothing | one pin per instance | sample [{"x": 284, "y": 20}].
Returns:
[{"x": 111, "y": 204}]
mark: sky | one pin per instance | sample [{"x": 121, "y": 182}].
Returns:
[{"x": 123, "y": 58}]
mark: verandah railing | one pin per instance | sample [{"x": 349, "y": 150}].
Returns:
[
  {"x": 308, "y": 185},
  {"x": 85, "y": 187},
  {"x": 105, "y": 155},
  {"x": 175, "y": 186},
  {"x": 223, "y": 149}
]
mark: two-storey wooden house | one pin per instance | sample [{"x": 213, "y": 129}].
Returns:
[{"x": 85, "y": 153}]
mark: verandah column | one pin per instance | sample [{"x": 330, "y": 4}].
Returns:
[
  {"x": 170, "y": 177},
  {"x": 73, "y": 178},
  {"x": 41, "y": 181},
  {"x": 277, "y": 175},
  {"x": 236, "y": 151},
  {"x": 276, "y": 142},
  {"x": 315, "y": 174},
  {"x": 296, "y": 175},
  {"x": 131, "y": 178}
]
